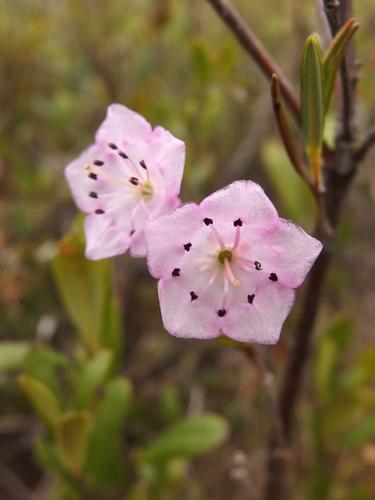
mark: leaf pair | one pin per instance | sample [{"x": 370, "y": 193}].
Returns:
[{"x": 318, "y": 73}]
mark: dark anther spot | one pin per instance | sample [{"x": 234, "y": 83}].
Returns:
[
  {"x": 134, "y": 181},
  {"x": 93, "y": 176},
  {"x": 258, "y": 265},
  {"x": 132, "y": 232},
  {"x": 143, "y": 164},
  {"x": 250, "y": 298},
  {"x": 93, "y": 194},
  {"x": 208, "y": 221},
  {"x": 187, "y": 247},
  {"x": 273, "y": 277},
  {"x": 99, "y": 211},
  {"x": 176, "y": 272},
  {"x": 221, "y": 312},
  {"x": 193, "y": 296},
  {"x": 98, "y": 163},
  {"x": 123, "y": 155},
  {"x": 112, "y": 145},
  {"x": 237, "y": 222}
]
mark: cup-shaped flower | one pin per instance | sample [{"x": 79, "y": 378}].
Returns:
[
  {"x": 228, "y": 266},
  {"x": 130, "y": 175}
]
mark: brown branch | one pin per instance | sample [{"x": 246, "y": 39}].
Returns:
[
  {"x": 257, "y": 51},
  {"x": 362, "y": 150}
]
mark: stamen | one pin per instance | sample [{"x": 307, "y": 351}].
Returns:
[
  {"x": 132, "y": 232},
  {"x": 221, "y": 313},
  {"x": 273, "y": 277},
  {"x": 233, "y": 280},
  {"x": 237, "y": 222},
  {"x": 92, "y": 194},
  {"x": 99, "y": 211},
  {"x": 218, "y": 237},
  {"x": 143, "y": 164},
  {"x": 176, "y": 272},
  {"x": 193, "y": 296},
  {"x": 208, "y": 221},
  {"x": 123, "y": 155},
  {"x": 98, "y": 163},
  {"x": 258, "y": 265},
  {"x": 134, "y": 181},
  {"x": 144, "y": 206},
  {"x": 93, "y": 176},
  {"x": 187, "y": 247},
  {"x": 237, "y": 237},
  {"x": 112, "y": 145}
]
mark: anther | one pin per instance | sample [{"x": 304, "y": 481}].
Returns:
[
  {"x": 143, "y": 164},
  {"x": 187, "y": 247},
  {"x": 123, "y": 155},
  {"x": 98, "y": 163},
  {"x": 237, "y": 222},
  {"x": 134, "y": 181},
  {"x": 93, "y": 176},
  {"x": 221, "y": 313},
  {"x": 99, "y": 211},
  {"x": 176, "y": 272},
  {"x": 92, "y": 194},
  {"x": 258, "y": 265},
  {"x": 193, "y": 296},
  {"x": 273, "y": 277},
  {"x": 208, "y": 221},
  {"x": 250, "y": 298},
  {"x": 112, "y": 145}
]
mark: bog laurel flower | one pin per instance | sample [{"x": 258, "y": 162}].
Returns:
[
  {"x": 131, "y": 174},
  {"x": 228, "y": 266}
]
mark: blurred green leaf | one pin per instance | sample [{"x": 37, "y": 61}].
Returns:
[
  {"x": 312, "y": 103},
  {"x": 105, "y": 456},
  {"x": 333, "y": 57},
  {"x": 187, "y": 438},
  {"x": 363, "y": 432},
  {"x": 72, "y": 432},
  {"x": 42, "y": 398},
  {"x": 12, "y": 355},
  {"x": 92, "y": 375},
  {"x": 86, "y": 290}
]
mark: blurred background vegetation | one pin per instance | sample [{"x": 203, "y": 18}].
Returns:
[{"x": 123, "y": 407}]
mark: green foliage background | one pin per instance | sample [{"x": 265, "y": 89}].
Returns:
[{"x": 91, "y": 333}]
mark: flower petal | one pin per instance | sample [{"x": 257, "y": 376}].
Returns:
[
  {"x": 104, "y": 239},
  {"x": 166, "y": 237},
  {"x": 295, "y": 252},
  {"x": 261, "y": 320},
  {"x": 243, "y": 200},
  {"x": 183, "y": 317},
  {"x": 122, "y": 125}
]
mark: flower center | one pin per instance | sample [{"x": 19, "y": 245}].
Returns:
[
  {"x": 225, "y": 254},
  {"x": 146, "y": 189}
]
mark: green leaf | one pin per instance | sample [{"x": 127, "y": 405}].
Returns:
[
  {"x": 312, "y": 103},
  {"x": 42, "y": 398},
  {"x": 333, "y": 57},
  {"x": 85, "y": 287},
  {"x": 93, "y": 373},
  {"x": 13, "y": 354},
  {"x": 187, "y": 438},
  {"x": 105, "y": 456},
  {"x": 363, "y": 432},
  {"x": 72, "y": 432}
]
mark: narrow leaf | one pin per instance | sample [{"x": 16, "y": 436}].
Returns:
[
  {"x": 72, "y": 432},
  {"x": 12, "y": 355},
  {"x": 42, "y": 398},
  {"x": 333, "y": 57},
  {"x": 187, "y": 438}
]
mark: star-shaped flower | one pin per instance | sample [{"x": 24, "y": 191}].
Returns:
[
  {"x": 228, "y": 266},
  {"x": 130, "y": 175}
]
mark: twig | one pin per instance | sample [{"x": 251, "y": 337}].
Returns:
[
  {"x": 257, "y": 51},
  {"x": 362, "y": 150}
]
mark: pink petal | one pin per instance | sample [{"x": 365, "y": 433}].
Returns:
[
  {"x": 183, "y": 317},
  {"x": 261, "y": 321},
  {"x": 295, "y": 252},
  {"x": 168, "y": 153},
  {"x": 103, "y": 238},
  {"x": 243, "y": 200},
  {"x": 122, "y": 125},
  {"x": 166, "y": 237}
]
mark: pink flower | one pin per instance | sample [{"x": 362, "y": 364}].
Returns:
[
  {"x": 130, "y": 175},
  {"x": 228, "y": 266}
]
